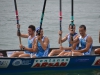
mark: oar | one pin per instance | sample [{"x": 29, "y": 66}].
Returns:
[
  {"x": 60, "y": 13},
  {"x": 72, "y": 19},
  {"x": 99, "y": 36},
  {"x": 42, "y": 16},
  {"x": 72, "y": 13},
  {"x": 17, "y": 19}
]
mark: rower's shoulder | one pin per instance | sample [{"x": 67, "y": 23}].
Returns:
[
  {"x": 89, "y": 37},
  {"x": 45, "y": 37},
  {"x": 67, "y": 34}
]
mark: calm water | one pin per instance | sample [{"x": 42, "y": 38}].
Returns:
[
  {"x": 71, "y": 72},
  {"x": 85, "y": 11}
]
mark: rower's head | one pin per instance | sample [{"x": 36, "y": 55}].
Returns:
[
  {"x": 38, "y": 29},
  {"x": 82, "y": 30},
  {"x": 72, "y": 29},
  {"x": 31, "y": 29}
]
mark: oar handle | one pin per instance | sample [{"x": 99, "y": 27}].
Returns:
[{"x": 20, "y": 40}]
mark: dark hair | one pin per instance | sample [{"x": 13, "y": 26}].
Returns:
[
  {"x": 32, "y": 27},
  {"x": 82, "y": 26}
]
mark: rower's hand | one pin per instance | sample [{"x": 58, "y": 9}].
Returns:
[
  {"x": 21, "y": 46},
  {"x": 18, "y": 33},
  {"x": 18, "y": 26},
  {"x": 60, "y": 32},
  {"x": 61, "y": 48},
  {"x": 71, "y": 37},
  {"x": 38, "y": 37}
]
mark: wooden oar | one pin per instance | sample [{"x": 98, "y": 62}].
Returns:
[
  {"x": 42, "y": 16},
  {"x": 17, "y": 19},
  {"x": 60, "y": 13}
]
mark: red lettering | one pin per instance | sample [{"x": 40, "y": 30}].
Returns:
[
  {"x": 63, "y": 64},
  {"x": 44, "y": 64},
  {"x": 56, "y": 64},
  {"x": 97, "y": 62},
  {"x": 50, "y": 64},
  {"x": 37, "y": 65}
]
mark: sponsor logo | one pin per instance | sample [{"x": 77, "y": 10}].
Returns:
[
  {"x": 96, "y": 62},
  {"x": 19, "y": 62},
  {"x": 51, "y": 62},
  {"x": 82, "y": 60},
  {"x": 4, "y": 63}
]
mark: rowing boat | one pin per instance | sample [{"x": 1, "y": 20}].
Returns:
[
  {"x": 69, "y": 65},
  {"x": 48, "y": 65}
]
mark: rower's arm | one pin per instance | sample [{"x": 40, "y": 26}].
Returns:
[
  {"x": 70, "y": 48},
  {"x": 63, "y": 39},
  {"x": 88, "y": 44},
  {"x": 34, "y": 47},
  {"x": 74, "y": 40},
  {"x": 23, "y": 35},
  {"x": 44, "y": 43},
  {"x": 74, "y": 45},
  {"x": 28, "y": 49}
]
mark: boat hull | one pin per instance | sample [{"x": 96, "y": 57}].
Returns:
[{"x": 49, "y": 65}]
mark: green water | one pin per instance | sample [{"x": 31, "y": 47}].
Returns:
[{"x": 71, "y": 72}]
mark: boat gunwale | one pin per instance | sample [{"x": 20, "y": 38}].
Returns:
[{"x": 4, "y": 52}]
